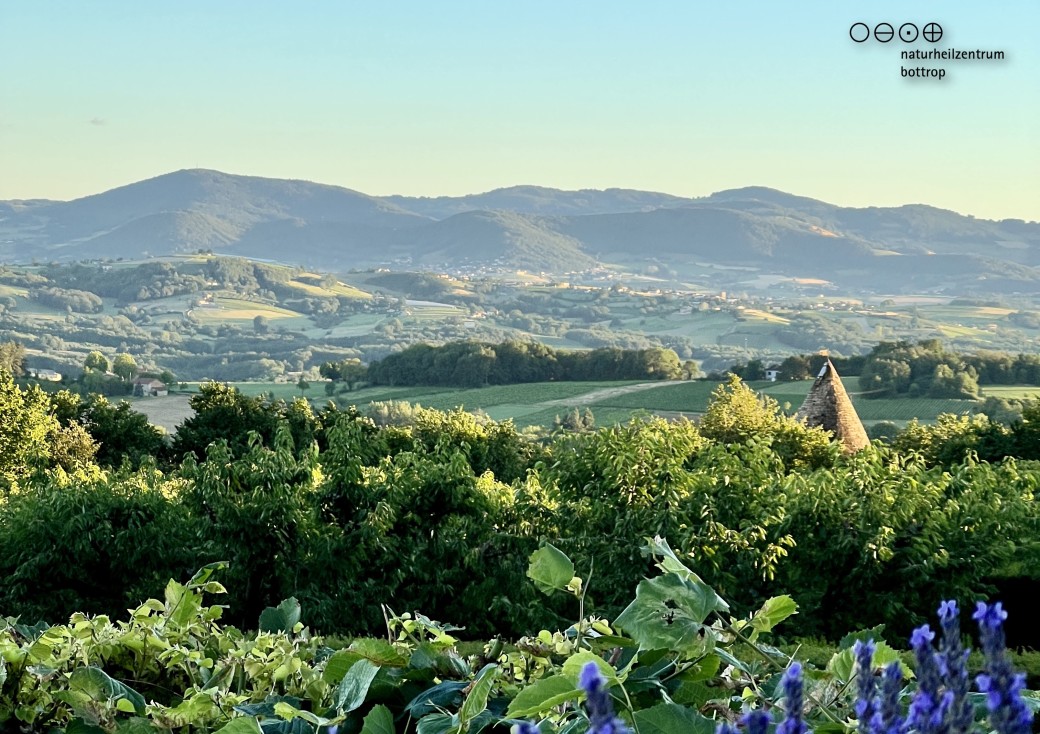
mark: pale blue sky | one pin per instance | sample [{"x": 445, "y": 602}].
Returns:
[{"x": 458, "y": 97}]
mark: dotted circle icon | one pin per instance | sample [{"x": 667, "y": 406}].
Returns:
[{"x": 908, "y": 32}]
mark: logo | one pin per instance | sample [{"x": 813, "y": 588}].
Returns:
[{"x": 884, "y": 32}]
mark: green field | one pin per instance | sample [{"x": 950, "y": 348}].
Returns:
[
  {"x": 526, "y": 404},
  {"x": 239, "y": 309},
  {"x": 904, "y": 409},
  {"x": 684, "y": 397},
  {"x": 538, "y": 404},
  {"x": 1012, "y": 392},
  {"x": 355, "y": 325},
  {"x": 310, "y": 284},
  {"x": 500, "y": 401}
]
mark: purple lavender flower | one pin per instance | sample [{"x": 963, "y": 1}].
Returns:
[
  {"x": 1008, "y": 714},
  {"x": 756, "y": 722},
  {"x": 866, "y": 688},
  {"x": 726, "y": 728},
  {"x": 953, "y": 663},
  {"x": 888, "y": 717},
  {"x": 525, "y": 727},
  {"x": 793, "y": 701},
  {"x": 929, "y": 705},
  {"x": 597, "y": 701}
]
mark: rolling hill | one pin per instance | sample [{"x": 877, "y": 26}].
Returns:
[{"x": 911, "y": 247}]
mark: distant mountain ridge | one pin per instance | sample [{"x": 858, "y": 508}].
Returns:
[{"x": 529, "y": 227}]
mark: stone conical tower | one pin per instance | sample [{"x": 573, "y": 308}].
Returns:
[{"x": 828, "y": 406}]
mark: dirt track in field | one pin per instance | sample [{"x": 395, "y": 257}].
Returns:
[
  {"x": 602, "y": 394},
  {"x": 172, "y": 410}
]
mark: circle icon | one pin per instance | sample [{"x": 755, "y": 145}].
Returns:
[
  {"x": 883, "y": 32},
  {"x": 859, "y": 32},
  {"x": 933, "y": 32},
  {"x": 908, "y": 32}
]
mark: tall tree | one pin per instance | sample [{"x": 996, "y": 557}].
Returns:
[
  {"x": 96, "y": 361},
  {"x": 124, "y": 366},
  {"x": 351, "y": 372},
  {"x": 12, "y": 358},
  {"x": 25, "y": 428}
]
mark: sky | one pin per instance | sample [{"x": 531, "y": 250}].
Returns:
[{"x": 450, "y": 98}]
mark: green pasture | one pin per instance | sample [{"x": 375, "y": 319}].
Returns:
[
  {"x": 281, "y": 390},
  {"x": 240, "y": 309},
  {"x": 684, "y": 397},
  {"x": 431, "y": 313},
  {"x": 904, "y": 409},
  {"x": 170, "y": 304},
  {"x": 953, "y": 331},
  {"x": 1012, "y": 392},
  {"x": 303, "y": 285},
  {"x": 13, "y": 291},
  {"x": 963, "y": 313},
  {"x": 704, "y": 326},
  {"x": 524, "y": 397},
  {"x": 33, "y": 309},
  {"x": 537, "y": 404},
  {"x": 355, "y": 325}
]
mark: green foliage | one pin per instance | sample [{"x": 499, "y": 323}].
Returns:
[
  {"x": 90, "y": 541},
  {"x": 442, "y": 514},
  {"x": 118, "y": 432},
  {"x": 96, "y": 361},
  {"x": 224, "y": 413},
  {"x": 473, "y": 364},
  {"x": 672, "y": 661},
  {"x": 25, "y": 426},
  {"x": 69, "y": 299},
  {"x": 551, "y": 570},
  {"x": 924, "y": 368},
  {"x": 257, "y": 511},
  {"x": 349, "y": 371},
  {"x": 124, "y": 365},
  {"x": 956, "y": 439},
  {"x": 889, "y": 523},
  {"x": 737, "y": 414},
  {"x": 431, "y": 517},
  {"x": 12, "y": 358}
]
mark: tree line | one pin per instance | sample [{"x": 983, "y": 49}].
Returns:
[
  {"x": 475, "y": 364},
  {"x": 927, "y": 369}
]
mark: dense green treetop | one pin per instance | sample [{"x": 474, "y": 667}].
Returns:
[
  {"x": 26, "y": 424},
  {"x": 473, "y": 364}
]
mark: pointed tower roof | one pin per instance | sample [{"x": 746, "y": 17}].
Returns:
[{"x": 828, "y": 406}]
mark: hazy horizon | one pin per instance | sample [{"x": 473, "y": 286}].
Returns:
[
  {"x": 518, "y": 186},
  {"x": 462, "y": 98}
]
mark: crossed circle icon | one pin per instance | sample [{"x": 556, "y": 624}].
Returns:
[{"x": 933, "y": 32}]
